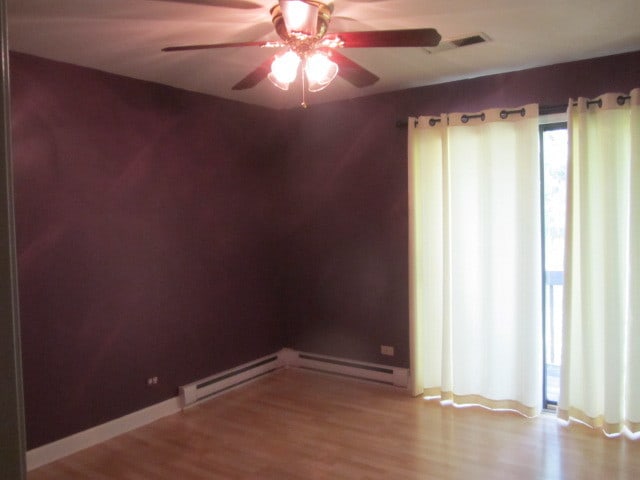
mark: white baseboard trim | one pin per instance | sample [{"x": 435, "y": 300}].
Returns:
[
  {"x": 50, "y": 452},
  {"x": 213, "y": 386}
]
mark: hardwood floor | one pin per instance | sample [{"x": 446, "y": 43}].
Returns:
[{"x": 295, "y": 424}]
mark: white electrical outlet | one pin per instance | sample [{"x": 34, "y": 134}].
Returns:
[
  {"x": 151, "y": 381},
  {"x": 386, "y": 350}
]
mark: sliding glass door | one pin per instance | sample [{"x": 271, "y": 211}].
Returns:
[{"x": 553, "y": 152}]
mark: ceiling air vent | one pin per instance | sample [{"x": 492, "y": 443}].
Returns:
[
  {"x": 466, "y": 41},
  {"x": 453, "y": 43}
]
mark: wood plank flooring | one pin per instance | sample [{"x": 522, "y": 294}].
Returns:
[{"x": 296, "y": 424}]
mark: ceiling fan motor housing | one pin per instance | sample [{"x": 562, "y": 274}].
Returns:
[{"x": 324, "y": 17}]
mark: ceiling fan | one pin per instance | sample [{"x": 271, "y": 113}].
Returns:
[{"x": 302, "y": 26}]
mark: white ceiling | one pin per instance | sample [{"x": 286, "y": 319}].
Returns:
[{"x": 125, "y": 37}]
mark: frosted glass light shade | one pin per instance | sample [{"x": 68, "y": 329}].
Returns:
[
  {"x": 284, "y": 69},
  {"x": 320, "y": 71}
]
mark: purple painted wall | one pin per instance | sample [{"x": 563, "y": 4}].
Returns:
[
  {"x": 347, "y": 173},
  {"x": 156, "y": 237},
  {"x": 146, "y": 240},
  {"x": 347, "y": 265}
]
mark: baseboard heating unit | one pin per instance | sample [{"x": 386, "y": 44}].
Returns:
[
  {"x": 216, "y": 384},
  {"x": 398, "y": 377},
  {"x": 287, "y": 358}
]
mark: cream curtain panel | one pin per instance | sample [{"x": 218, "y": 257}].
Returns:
[
  {"x": 600, "y": 377},
  {"x": 476, "y": 285}
]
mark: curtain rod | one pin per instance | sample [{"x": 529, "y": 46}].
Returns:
[
  {"x": 542, "y": 110},
  {"x": 464, "y": 118}
]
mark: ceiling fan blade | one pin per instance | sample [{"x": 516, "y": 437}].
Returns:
[
  {"x": 352, "y": 72},
  {"x": 255, "y": 77},
  {"x": 419, "y": 37},
  {"x": 215, "y": 45},
  {"x": 239, "y": 4}
]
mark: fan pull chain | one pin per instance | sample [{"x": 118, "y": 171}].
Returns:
[{"x": 304, "y": 101}]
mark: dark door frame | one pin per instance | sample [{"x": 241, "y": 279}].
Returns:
[{"x": 12, "y": 429}]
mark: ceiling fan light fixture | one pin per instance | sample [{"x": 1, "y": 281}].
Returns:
[
  {"x": 300, "y": 17},
  {"x": 284, "y": 69},
  {"x": 320, "y": 71}
]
